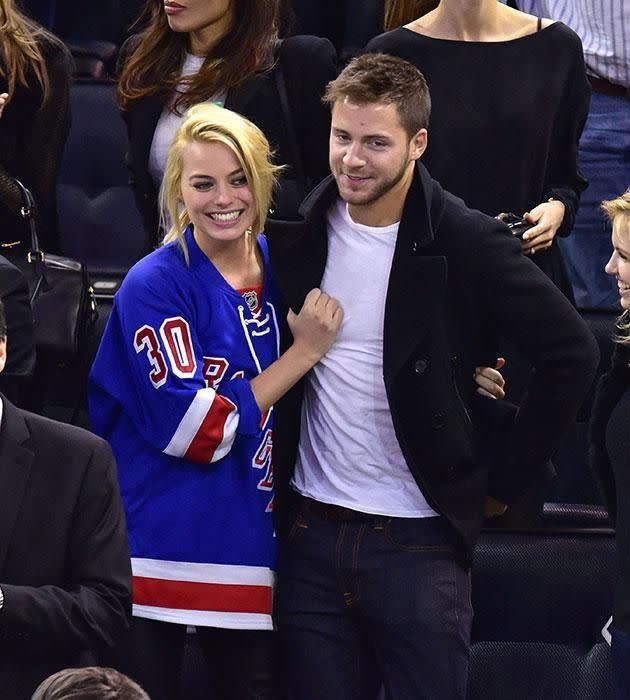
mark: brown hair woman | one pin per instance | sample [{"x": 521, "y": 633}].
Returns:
[{"x": 225, "y": 51}]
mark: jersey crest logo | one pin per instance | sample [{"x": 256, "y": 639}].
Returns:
[{"x": 251, "y": 299}]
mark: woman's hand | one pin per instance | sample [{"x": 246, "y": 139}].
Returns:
[
  {"x": 490, "y": 381},
  {"x": 548, "y": 218},
  {"x": 4, "y": 98},
  {"x": 315, "y": 328}
]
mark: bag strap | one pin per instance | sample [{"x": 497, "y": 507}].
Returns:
[
  {"x": 285, "y": 106},
  {"x": 35, "y": 256}
]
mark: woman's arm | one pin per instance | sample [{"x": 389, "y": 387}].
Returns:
[{"x": 44, "y": 144}]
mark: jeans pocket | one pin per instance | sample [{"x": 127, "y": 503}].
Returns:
[
  {"x": 298, "y": 526},
  {"x": 419, "y": 535}
]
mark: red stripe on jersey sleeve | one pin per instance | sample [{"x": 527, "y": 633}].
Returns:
[
  {"x": 192, "y": 595},
  {"x": 211, "y": 432}
]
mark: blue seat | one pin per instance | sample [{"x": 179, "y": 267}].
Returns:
[{"x": 99, "y": 222}]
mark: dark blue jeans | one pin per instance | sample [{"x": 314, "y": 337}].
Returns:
[
  {"x": 373, "y": 602},
  {"x": 605, "y": 161},
  {"x": 620, "y": 655}
]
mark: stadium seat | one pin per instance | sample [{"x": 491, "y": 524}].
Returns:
[
  {"x": 99, "y": 223},
  {"x": 540, "y": 601}
]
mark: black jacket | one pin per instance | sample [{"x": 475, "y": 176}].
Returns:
[
  {"x": 610, "y": 389},
  {"x": 64, "y": 565},
  {"x": 308, "y": 64},
  {"x": 458, "y": 280}
]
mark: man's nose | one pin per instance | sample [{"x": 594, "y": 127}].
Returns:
[{"x": 353, "y": 157}]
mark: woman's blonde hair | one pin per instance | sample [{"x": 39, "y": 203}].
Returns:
[
  {"x": 209, "y": 123},
  {"x": 20, "y": 51},
  {"x": 614, "y": 210}
]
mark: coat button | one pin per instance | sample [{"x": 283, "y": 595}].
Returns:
[
  {"x": 438, "y": 421},
  {"x": 420, "y": 366}
]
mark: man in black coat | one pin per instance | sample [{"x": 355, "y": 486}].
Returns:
[
  {"x": 386, "y": 457},
  {"x": 65, "y": 574}
]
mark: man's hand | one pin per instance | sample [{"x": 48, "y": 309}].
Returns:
[
  {"x": 547, "y": 218},
  {"x": 490, "y": 381},
  {"x": 4, "y": 98},
  {"x": 492, "y": 507}
]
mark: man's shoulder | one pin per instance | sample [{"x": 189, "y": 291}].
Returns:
[{"x": 59, "y": 442}]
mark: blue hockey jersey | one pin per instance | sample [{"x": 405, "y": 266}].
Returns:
[{"x": 170, "y": 391}]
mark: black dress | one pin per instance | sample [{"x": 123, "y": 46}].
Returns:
[
  {"x": 32, "y": 138},
  {"x": 506, "y": 120}
]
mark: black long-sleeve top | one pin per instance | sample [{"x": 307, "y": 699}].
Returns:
[
  {"x": 31, "y": 146},
  {"x": 506, "y": 120}
]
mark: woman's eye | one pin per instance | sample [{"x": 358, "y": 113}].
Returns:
[
  {"x": 202, "y": 186},
  {"x": 239, "y": 182}
]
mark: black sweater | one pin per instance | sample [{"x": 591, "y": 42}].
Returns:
[{"x": 506, "y": 120}]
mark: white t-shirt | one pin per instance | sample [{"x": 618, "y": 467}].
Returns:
[
  {"x": 170, "y": 121},
  {"x": 348, "y": 452}
]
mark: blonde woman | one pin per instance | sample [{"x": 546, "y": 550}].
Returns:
[
  {"x": 610, "y": 440},
  {"x": 183, "y": 387},
  {"x": 35, "y": 75}
]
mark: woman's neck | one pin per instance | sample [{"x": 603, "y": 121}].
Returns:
[
  {"x": 465, "y": 20},
  {"x": 237, "y": 261}
]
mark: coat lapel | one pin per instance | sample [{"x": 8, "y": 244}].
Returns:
[
  {"x": 15, "y": 467},
  {"x": 417, "y": 282}
]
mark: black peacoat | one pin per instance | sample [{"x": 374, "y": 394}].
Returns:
[{"x": 458, "y": 281}]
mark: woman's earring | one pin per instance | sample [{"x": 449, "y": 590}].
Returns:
[{"x": 248, "y": 231}]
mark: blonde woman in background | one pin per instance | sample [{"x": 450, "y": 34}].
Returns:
[{"x": 610, "y": 440}]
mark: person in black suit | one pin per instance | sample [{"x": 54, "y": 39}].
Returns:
[
  {"x": 20, "y": 362},
  {"x": 385, "y": 457},
  {"x": 226, "y": 52},
  {"x": 65, "y": 573}
]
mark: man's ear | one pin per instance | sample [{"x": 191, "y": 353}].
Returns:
[
  {"x": 418, "y": 144},
  {"x": 3, "y": 353}
]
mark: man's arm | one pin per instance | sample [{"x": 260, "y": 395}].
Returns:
[
  {"x": 92, "y": 611},
  {"x": 525, "y": 307}
]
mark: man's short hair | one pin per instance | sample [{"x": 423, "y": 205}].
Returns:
[
  {"x": 377, "y": 77},
  {"x": 3, "y": 323},
  {"x": 89, "y": 683}
]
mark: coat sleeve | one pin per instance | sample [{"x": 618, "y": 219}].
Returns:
[
  {"x": 526, "y": 308},
  {"x": 152, "y": 369},
  {"x": 45, "y": 141},
  {"x": 92, "y": 611},
  {"x": 20, "y": 325},
  {"x": 565, "y": 182},
  {"x": 310, "y": 63}
]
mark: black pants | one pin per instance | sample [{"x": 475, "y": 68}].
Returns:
[{"x": 240, "y": 663}]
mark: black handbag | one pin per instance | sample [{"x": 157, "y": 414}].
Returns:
[
  {"x": 62, "y": 298},
  {"x": 517, "y": 224}
]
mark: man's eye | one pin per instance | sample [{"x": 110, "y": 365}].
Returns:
[
  {"x": 377, "y": 143},
  {"x": 341, "y": 137}
]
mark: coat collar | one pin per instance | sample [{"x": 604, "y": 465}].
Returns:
[
  {"x": 16, "y": 459},
  {"x": 418, "y": 276}
]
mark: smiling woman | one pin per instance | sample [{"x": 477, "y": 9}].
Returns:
[
  {"x": 183, "y": 388},
  {"x": 227, "y": 52}
]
